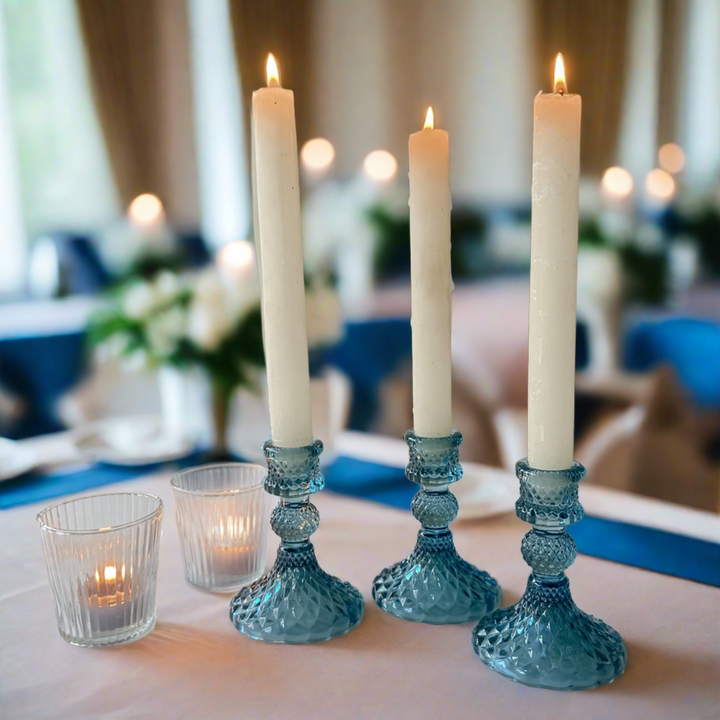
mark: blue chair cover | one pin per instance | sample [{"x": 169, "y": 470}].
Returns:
[
  {"x": 370, "y": 352},
  {"x": 82, "y": 269},
  {"x": 40, "y": 370},
  {"x": 690, "y": 346}
]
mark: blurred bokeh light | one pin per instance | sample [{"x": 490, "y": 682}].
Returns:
[
  {"x": 671, "y": 158},
  {"x": 380, "y": 165},
  {"x": 146, "y": 209},
  {"x": 617, "y": 182},
  {"x": 659, "y": 184},
  {"x": 317, "y": 154}
]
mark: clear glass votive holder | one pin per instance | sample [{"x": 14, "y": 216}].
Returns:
[
  {"x": 222, "y": 513},
  {"x": 102, "y": 557}
]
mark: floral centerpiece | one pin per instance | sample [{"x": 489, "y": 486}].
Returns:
[{"x": 209, "y": 319}]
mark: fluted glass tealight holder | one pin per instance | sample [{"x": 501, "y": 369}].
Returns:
[
  {"x": 434, "y": 584},
  {"x": 544, "y": 640},
  {"x": 296, "y": 601},
  {"x": 222, "y": 515},
  {"x": 102, "y": 556}
]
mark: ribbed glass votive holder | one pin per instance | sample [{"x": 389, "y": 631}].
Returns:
[
  {"x": 222, "y": 514},
  {"x": 102, "y": 559}
]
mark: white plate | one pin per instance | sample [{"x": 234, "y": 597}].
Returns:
[
  {"x": 485, "y": 491},
  {"x": 129, "y": 441},
  {"x": 15, "y": 460}
]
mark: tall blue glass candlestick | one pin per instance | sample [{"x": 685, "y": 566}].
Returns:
[
  {"x": 545, "y": 640},
  {"x": 296, "y": 601},
  {"x": 434, "y": 584}
]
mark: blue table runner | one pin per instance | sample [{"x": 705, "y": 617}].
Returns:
[{"x": 643, "y": 547}]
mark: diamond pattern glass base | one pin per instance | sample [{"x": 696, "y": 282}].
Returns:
[
  {"x": 546, "y": 641},
  {"x": 297, "y": 602},
  {"x": 435, "y": 585}
]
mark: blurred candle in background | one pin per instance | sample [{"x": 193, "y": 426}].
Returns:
[
  {"x": 278, "y": 233},
  {"x": 236, "y": 259},
  {"x": 430, "y": 204},
  {"x": 380, "y": 166},
  {"x": 553, "y": 276},
  {"x": 146, "y": 212}
]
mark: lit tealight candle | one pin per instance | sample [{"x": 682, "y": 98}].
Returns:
[
  {"x": 111, "y": 601},
  {"x": 232, "y": 558}
]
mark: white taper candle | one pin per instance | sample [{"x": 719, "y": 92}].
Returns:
[
  {"x": 280, "y": 261},
  {"x": 553, "y": 277},
  {"x": 430, "y": 205}
]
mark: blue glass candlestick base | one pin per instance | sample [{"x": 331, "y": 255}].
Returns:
[
  {"x": 296, "y": 601},
  {"x": 545, "y": 640},
  {"x": 434, "y": 584}
]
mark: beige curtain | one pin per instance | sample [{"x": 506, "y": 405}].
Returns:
[
  {"x": 672, "y": 32},
  {"x": 139, "y": 62},
  {"x": 284, "y": 28},
  {"x": 592, "y": 36}
]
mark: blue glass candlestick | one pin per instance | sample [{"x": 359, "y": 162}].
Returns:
[
  {"x": 296, "y": 601},
  {"x": 545, "y": 640},
  {"x": 434, "y": 584}
]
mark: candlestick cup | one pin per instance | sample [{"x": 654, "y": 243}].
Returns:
[
  {"x": 296, "y": 601},
  {"x": 545, "y": 640},
  {"x": 434, "y": 584}
]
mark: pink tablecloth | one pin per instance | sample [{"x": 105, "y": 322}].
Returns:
[{"x": 196, "y": 665}]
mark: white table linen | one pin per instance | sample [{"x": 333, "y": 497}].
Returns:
[{"x": 196, "y": 665}]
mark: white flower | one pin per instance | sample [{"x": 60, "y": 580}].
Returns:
[
  {"x": 324, "y": 316},
  {"x": 167, "y": 286},
  {"x": 242, "y": 297},
  {"x": 208, "y": 323},
  {"x": 140, "y": 300},
  {"x": 164, "y": 331}
]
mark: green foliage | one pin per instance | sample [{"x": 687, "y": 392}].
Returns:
[
  {"x": 646, "y": 275},
  {"x": 392, "y": 242},
  {"x": 590, "y": 234},
  {"x": 704, "y": 228}
]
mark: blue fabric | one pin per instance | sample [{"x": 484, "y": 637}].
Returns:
[
  {"x": 34, "y": 488},
  {"x": 690, "y": 346},
  {"x": 370, "y": 352},
  {"x": 83, "y": 271},
  {"x": 634, "y": 545},
  {"x": 40, "y": 370},
  {"x": 648, "y": 548}
]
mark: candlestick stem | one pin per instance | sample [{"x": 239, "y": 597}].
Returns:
[
  {"x": 545, "y": 640},
  {"x": 296, "y": 601},
  {"x": 434, "y": 584}
]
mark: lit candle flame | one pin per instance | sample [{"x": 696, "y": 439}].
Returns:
[
  {"x": 110, "y": 573},
  {"x": 429, "y": 120},
  {"x": 560, "y": 84},
  {"x": 273, "y": 75}
]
